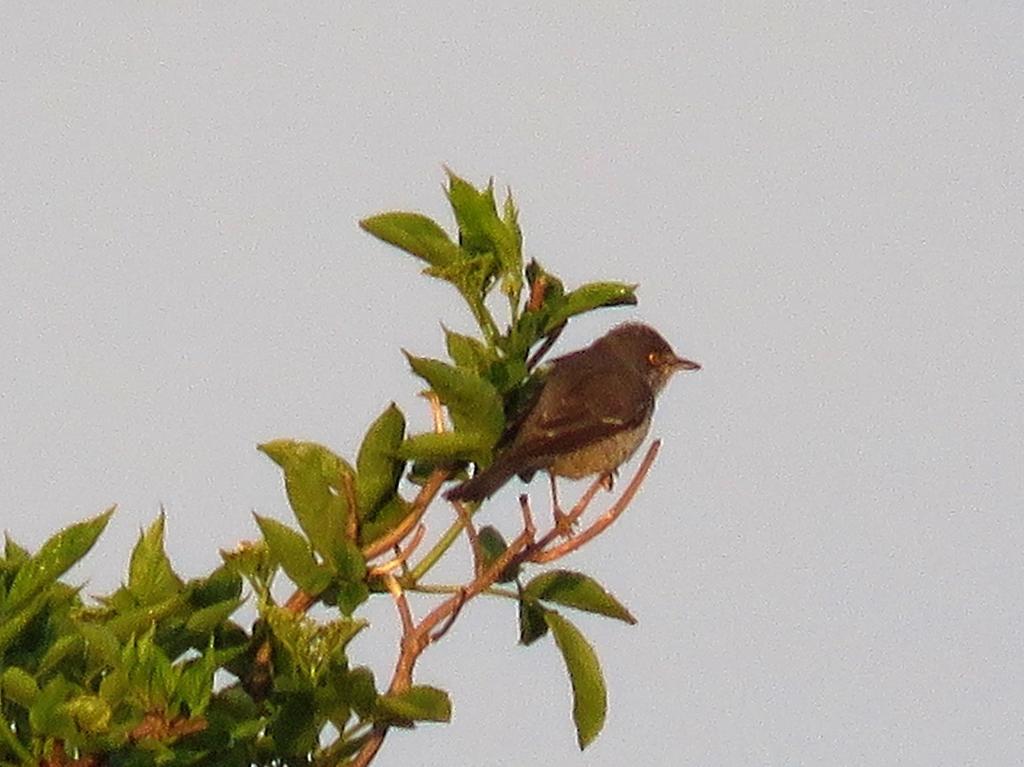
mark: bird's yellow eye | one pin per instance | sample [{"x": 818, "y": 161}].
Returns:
[{"x": 652, "y": 359}]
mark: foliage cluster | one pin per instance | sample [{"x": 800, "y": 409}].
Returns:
[{"x": 161, "y": 673}]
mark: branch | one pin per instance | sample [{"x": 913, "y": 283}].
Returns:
[
  {"x": 401, "y": 555},
  {"x": 524, "y": 548},
  {"x": 417, "y": 509},
  {"x": 416, "y": 640},
  {"x": 300, "y": 601},
  {"x": 474, "y": 539},
  {"x": 549, "y": 341}
]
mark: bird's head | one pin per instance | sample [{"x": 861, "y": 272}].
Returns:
[{"x": 643, "y": 348}]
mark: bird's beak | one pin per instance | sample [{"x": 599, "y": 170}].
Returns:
[{"x": 681, "y": 363}]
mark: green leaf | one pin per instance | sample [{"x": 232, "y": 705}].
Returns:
[
  {"x": 250, "y": 560},
  {"x": 221, "y": 585},
  {"x": 532, "y": 625},
  {"x": 115, "y": 686},
  {"x": 468, "y": 352},
  {"x": 53, "y": 559},
  {"x": 293, "y": 728},
  {"x": 590, "y": 697},
  {"x": 527, "y": 332},
  {"x": 475, "y": 213},
  {"x": 472, "y": 276},
  {"x": 315, "y": 647},
  {"x": 359, "y": 690},
  {"x": 293, "y": 552},
  {"x": 149, "y": 669},
  {"x": 509, "y": 241},
  {"x": 421, "y": 471},
  {"x": 384, "y": 521},
  {"x": 349, "y": 587},
  {"x": 351, "y": 563},
  {"x": 135, "y": 621},
  {"x": 573, "y": 589},
  {"x": 447, "y": 447},
  {"x": 510, "y": 217},
  {"x": 314, "y": 482},
  {"x": 493, "y": 545},
  {"x": 207, "y": 619},
  {"x": 507, "y": 375},
  {"x": 14, "y": 623},
  {"x": 151, "y": 578},
  {"x": 102, "y": 644},
  {"x": 419, "y": 703},
  {"x": 379, "y": 468},
  {"x": 11, "y": 746},
  {"x": 481, "y": 230},
  {"x": 414, "y": 233},
  {"x": 64, "y": 647},
  {"x": 195, "y": 687},
  {"x": 48, "y": 715},
  {"x": 588, "y": 297},
  {"x": 18, "y": 686},
  {"x": 474, "y": 404},
  {"x": 247, "y": 729},
  {"x": 334, "y": 636},
  {"x": 546, "y": 298},
  {"x": 13, "y": 553},
  {"x": 348, "y": 595},
  {"x": 90, "y": 713}
]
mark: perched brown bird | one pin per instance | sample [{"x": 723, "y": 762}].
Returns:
[{"x": 593, "y": 411}]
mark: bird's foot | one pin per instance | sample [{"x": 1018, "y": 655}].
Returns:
[
  {"x": 564, "y": 523},
  {"x": 608, "y": 479}
]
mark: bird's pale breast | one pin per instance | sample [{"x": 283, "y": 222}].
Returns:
[{"x": 602, "y": 456}]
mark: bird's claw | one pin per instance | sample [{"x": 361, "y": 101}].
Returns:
[{"x": 564, "y": 523}]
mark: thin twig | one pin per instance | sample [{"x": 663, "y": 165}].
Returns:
[
  {"x": 524, "y": 504},
  {"x": 436, "y": 410},
  {"x": 300, "y": 601},
  {"x": 416, "y": 641},
  {"x": 401, "y": 602},
  {"x": 448, "y": 590},
  {"x": 352, "y": 526},
  {"x": 461, "y": 594},
  {"x": 584, "y": 501},
  {"x": 471, "y": 534},
  {"x": 549, "y": 341},
  {"x": 570, "y": 519},
  {"x": 370, "y": 747},
  {"x": 401, "y": 555},
  {"x": 483, "y": 581},
  {"x": 416, "y": 510}
]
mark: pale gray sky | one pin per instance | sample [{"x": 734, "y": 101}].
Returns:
[{"x": 823, "y": 203}]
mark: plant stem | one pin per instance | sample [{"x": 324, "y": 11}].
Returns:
[
  {"x": 435, "y": 553},
  {"x": 483, "y": 318},
  {"x": 443, "y": 588}
]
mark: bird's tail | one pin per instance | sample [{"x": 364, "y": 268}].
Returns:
[{"x": 486, "y": 483}]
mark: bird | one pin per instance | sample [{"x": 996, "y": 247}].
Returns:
[{"x": 592, "y": 412}]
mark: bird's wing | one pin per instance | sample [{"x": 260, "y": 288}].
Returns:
[{"x": 574, "y": 410}]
